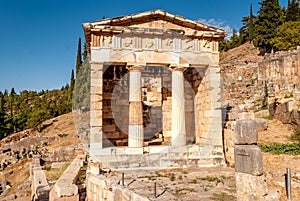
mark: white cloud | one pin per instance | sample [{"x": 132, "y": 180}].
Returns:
[{"x": 218, "y": 24}]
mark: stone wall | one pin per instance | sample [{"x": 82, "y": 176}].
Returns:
[
  {"x": 254, "y": 85},
  {"x": 39, "y": 186},
  {"x": 100, "y": 188},
  {"x": 65, "y": 189}
]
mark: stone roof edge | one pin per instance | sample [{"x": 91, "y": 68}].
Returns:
[{"x": 159, "y": 13}]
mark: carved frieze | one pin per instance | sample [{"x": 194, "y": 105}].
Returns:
[
  {"x": 188, "y": 44},
  {"x": 128, "y": 43},
  {"x": 107, "y": 41},
  {"x": 168, "y": 43},
  {"x": 156, "y": 42},
  {"x": 148, "y": 43}
]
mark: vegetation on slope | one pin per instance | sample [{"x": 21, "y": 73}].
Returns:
[
  {"x": 274, "y": 28},
  {"x": 28, "y": 109}
]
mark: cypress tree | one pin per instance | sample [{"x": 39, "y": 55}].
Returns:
[
  {"x": 250, "y": 25},
  {"x": 270, "y": 16},
  {"x": 85, "y": 53},
  {"x": 1, "y": 103},
  {"x": 5, "y": 93},
  {"x": 72, "y": 84},
  {"x": 78, "y": 58},
  {"x": 12, "y": 99},
  {"x": 2, "y": 117}
]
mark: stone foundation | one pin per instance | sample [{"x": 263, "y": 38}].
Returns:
[{"x": 65, "y": 188}]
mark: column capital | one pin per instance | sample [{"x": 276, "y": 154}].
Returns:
[
  {"x": 179, "y": 67},
  {"x": 135, "y": 66}
]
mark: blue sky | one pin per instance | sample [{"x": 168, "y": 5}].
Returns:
[{"x": 39, "y": 37}]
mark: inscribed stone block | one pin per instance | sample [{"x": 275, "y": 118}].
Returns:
[
  {"x": 245, "y": 132},
  {"x": 248, "y": 159}
]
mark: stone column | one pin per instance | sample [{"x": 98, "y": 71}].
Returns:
[
  {"x": 178, "y": 108},
  {"x": 250, "y": 181},
  {"x": 136, "y": 129},
  {"x": 96, "y": 93}
]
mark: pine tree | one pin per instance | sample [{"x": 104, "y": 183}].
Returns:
[
  {"x": 234, "y": 39},
  {"x": 270, "y": 16},
  {"x": 78, "y": 58},
  {"x": 293, "y": 11}
]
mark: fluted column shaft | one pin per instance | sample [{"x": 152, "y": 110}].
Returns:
[
  {"x": 178, "y": 108},
  {"x": 136, "y": 129}
]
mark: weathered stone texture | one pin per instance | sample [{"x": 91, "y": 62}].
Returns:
[
  {"x": 250, "y": 187},
  {"x": 248, "y": 159},
  {"x": 245, "y": 132},
  {"x": 261, "y": 123},
  {"x": 65, "y": 188},
  {"x": 256, "y": 83}
]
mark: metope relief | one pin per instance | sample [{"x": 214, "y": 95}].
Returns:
[
  {"x": 106, "y": 41},
  {"x": 127, "y": 43},
  {"x": 188, "y": 44},
  {"x": 168, "y": 44},
  {"x": 148, "y": 43}
]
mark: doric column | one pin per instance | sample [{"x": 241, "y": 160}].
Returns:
[
  {"x": 135, "y": 130},
  {"x": 178, "y": 110}
]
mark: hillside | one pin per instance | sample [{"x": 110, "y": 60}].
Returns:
[
  {"x": 57, "y": 142},
  {"x": 28, "y": 109}
]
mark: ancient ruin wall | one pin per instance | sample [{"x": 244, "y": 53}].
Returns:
[{"x": 253, "y": 86}]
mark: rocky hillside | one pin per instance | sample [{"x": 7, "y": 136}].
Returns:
[
  {"x": 254, "y": 83},
  {"x": 57, "y": 141}
]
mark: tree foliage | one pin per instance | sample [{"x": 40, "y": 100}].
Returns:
[
  {"x": 81, "y": 92},
  {"x": 78, "y": 58},
  {"x": 288, "y": 36},
  {"x": 31, "y": 108},
  {"x": 293, "y": 11},
  {"x": 274, "y": 28},
  {"x": 270, "y": 16}
]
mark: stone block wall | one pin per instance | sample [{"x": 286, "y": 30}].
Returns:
[
  {"x": 65, "y": 188},
  {"x": 100, "y": 188},
  {"x": 255, "y": 85},
  {"x": 39, "y": 186}
]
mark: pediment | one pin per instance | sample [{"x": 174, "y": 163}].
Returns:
[{"x": 157, "y": 19}]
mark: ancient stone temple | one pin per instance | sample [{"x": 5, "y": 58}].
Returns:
[{"x": 155, "y": 91}]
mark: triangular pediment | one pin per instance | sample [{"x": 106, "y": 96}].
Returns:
[{"x": 158, "y": 19}]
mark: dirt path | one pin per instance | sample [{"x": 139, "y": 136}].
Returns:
[{"x": 275, "y": 165}]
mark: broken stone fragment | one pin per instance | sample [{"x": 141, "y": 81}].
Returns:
[
  {"x": 245, "y": 132},
  {"x": 261, "y": 123}
]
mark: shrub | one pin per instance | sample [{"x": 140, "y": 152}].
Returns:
[{"x": 279, "y": 148}]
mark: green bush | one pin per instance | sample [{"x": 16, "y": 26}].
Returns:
[{"x": 280, "y": 148}]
